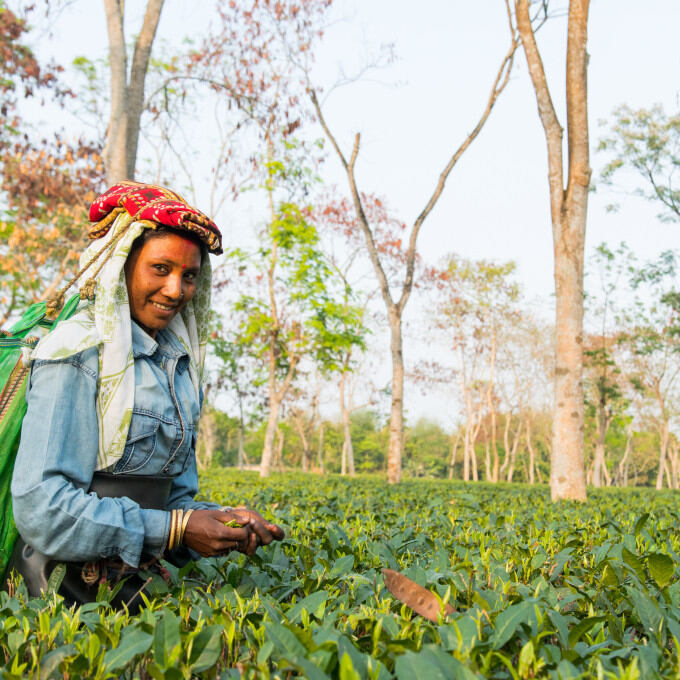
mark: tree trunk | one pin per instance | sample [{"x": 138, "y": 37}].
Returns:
[
  {"x": 350, "y": 451},
  {"x": 396, "y": 445},
  {"x": 605, "y": 474},
  {"x": 513, "y": 450},
  {"x": 567, "y": 479},
  {"x": 506, "y": 445},
  {"x": 452, "y": 459},
  {"x": 278, "y": 454},
  {"x": 532, "y": 452},
  {"x": 488, "y": 469},
  {"x": 466, "y": 452},
  {"x": 599, "y": 463},
  {"x": 568, "y": 213},
  {"x": 127, "y": 99},
  {"x": 320, "y": 449},
  {"x": 275, "y": 396},
  {"x": 663, "y": 449},
  {"x": 270, "y": 435},
  {"x": 473, "y": 440},
  {"x": 525, "y": 467},
  {"x": 622, "y": 473},
  {"x": 673, "y": 459},
  {"x": 241, "y": 447},
  {"x": 667, "y": 472},
  {"x": 473, "y": 460},
  {"x": 140, "y": 65},
  {"x": 492, "y": 408},
  {"x": 116, "y": 138},
  {"x": 347, "y": 448},
  {"x": 465, "y": 391},
  {"x": 207, "y": 439}
]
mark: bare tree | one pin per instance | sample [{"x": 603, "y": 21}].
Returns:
[
  {"x": 395, "y": 304},
  {"x": 127, "y": 92},
  {"x": 568, "y": 208}
]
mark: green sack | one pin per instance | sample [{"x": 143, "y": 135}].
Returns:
[{"x": 14, "y": 374}]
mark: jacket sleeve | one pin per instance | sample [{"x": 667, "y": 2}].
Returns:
[{"x": 57, "y": 457}]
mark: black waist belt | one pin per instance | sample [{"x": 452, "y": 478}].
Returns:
[{"x": 150, "y": 492}]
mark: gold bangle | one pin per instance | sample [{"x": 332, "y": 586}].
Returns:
[
  {"x": 172, "y": 529},
  {"x": 175, "y": 528},
  {"x": 178, "y": 528},
  {"x": 185, "y": 521}
]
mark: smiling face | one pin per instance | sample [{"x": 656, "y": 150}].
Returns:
[{"x": 161, "y": 278}]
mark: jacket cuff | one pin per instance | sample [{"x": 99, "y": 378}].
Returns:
[{"x": 156, "y": 530}]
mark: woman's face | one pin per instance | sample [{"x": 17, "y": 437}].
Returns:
[{"x": 161, "y": 279}]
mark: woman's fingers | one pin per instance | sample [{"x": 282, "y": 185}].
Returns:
[
  {"x": 261, "y": 531},
  {"x": 255, "y": 523},
  {"x": 273, "y": 531},
  {"x": 252, "y": 544},
  {"x": 276, "y": 531},
  {"x": 207, "y": 533}
]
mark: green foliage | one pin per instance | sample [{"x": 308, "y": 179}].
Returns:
[
  {"x": 540, "y": 590},
  {"x": 427, "y": 449},
  {"x": 647, "y": 142},
  {"x": 312, "y": 316}
]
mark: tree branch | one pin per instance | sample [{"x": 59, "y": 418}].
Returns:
[
  {"x": 140, "y": 64},
  {"x": 577, "y": 105},
  {"x": 114, "y": 151},
  {"x": 546, "y": 111},
  {"x": 501, "y": 80},
  {"x": 358, "y": 206}
]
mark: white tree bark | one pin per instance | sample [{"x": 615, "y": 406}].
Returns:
[
  {"x": 568, "y": 209},
  {"x": 599, "y": 462},
  {"x": 347, "y": 465},
  {"x": 320, "y": 449},
  {"x": 454, "y": 448},
  {"x": 532, "y": 452}
]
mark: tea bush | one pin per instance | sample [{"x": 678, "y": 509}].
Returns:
[{"x": 540, "y": 590}]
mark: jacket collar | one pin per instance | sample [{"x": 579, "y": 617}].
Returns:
[{"x": 144, "y": 345}]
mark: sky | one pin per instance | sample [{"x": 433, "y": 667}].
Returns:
[
  {"x": 495, "y": 204},
  {"x": 414, "y": 113}
]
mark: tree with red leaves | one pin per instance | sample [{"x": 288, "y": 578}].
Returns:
[
  {"x": 20, "y": 72},
  {"x": 44, "y": 184}
]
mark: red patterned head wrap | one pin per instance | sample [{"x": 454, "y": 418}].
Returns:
[{"x": 156, "y": 206}]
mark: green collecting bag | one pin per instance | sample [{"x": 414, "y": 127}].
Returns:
[{"x": 14, "y": 373}]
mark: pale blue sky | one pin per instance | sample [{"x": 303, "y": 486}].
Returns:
[{"x": 413, "y": 114}]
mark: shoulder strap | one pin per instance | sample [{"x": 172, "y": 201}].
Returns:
[{"x": 35, "y": 316}]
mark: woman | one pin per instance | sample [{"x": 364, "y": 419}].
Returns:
[{"x": 105, "y": 475}]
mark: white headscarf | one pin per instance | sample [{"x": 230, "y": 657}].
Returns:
[{"x": 105, "y": 324}]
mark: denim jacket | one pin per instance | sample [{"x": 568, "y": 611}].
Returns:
[{"x": 58, "y": 453}]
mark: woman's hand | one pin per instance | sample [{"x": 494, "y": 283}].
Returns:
[
  {"x": 207, "y": 534},
  {"x": 264, "y": 531}
]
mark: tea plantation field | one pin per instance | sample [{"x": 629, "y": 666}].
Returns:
[{"x": 540, "y": 590}]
